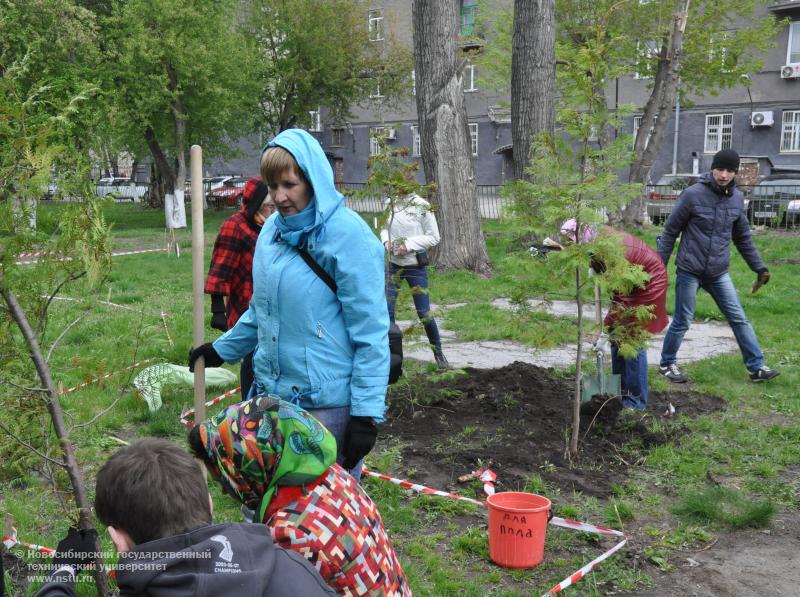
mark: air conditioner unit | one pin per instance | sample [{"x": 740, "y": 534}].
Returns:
[
  {"x": 391, "y": 134},
  {"x": 762, "y": 118},
  {"x": 790, "y": 71}
]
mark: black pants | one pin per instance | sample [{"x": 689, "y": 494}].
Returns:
[{"x": 246, "y": 374}]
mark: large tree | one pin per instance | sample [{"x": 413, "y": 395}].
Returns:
[
  {"x": 179, "y": 72},
  {"x": 691, "y": 48},
  {"x": 444, "y": 135},
  {"x": 318, "y": 54},
  {"x": 533, "y": 76}
]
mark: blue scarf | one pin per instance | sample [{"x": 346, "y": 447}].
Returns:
[{"x": 294, "y": 229}]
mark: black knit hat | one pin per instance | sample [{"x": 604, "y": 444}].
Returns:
[{"x": 726, "y": 159}]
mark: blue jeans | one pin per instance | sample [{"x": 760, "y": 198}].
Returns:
[
  {"x": 417, "y": 279},
  {"x": 633, "y": 373},
  {"x": 335, "y": 421},
  {"x": 724, "y": 294}
]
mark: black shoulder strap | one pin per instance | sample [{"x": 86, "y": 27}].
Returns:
[{"x": 317, "y": 268}]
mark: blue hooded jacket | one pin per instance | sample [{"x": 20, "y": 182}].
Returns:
[
  {"x": 707, "y": 218},
  {"x": 314, "y": 348}
]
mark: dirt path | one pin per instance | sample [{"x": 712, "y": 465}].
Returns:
[{"x": 746, "y": 563}]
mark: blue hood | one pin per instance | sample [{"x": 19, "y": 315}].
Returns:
[{"x": 314, "y": 164}]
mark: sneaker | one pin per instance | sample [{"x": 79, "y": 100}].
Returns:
[
  {"x": 672, "y": 373},
  {"x": 763, "y": 374}
]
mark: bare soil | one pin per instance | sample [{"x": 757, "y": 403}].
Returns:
[{"x": 514, "y": 420}]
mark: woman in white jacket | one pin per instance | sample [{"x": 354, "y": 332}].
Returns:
[{"x": 409, "y": 232}]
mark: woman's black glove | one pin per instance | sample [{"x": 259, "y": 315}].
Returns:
[
  {"x": 206, "y": 351},
  {"x": 78, "y": 549},
  {"x": 359, "y": 438},
  {"x": 219, "y": 321}
]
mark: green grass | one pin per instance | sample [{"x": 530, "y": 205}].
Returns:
[
  {"x": 754, "y": 445},
  {"x": 726, "y": 507}
]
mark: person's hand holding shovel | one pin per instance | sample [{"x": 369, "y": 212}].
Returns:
[{"x": 763, "y": 278}]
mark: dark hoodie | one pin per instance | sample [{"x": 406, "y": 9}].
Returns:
[
  {"x": 225, "y": 559},
  {"x": 707, "y": 218}
]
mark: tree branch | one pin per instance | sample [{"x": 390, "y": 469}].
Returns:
[
  {"x": 43, "y": 314},
  {"x": 58, "y": 339},
  {"x": 28, "y": 446}
]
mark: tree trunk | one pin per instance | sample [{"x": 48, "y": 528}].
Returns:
[
  {"x": 444, "y": 135},
  {"x": 174, "y": 205},
  {"x": 57, "y": 418},
  {"x": 656, "y": 113},
  {"x": 533, "y": 73}
]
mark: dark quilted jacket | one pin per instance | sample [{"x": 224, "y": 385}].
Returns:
[{"x": 707, "y": 218}]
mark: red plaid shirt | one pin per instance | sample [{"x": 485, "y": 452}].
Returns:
[{"x": 231, "y": 270}]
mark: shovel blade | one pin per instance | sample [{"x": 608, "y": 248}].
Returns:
[{"x": 591, "y": 385}]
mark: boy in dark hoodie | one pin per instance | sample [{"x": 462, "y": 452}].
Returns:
[
  {"x": 154, "y": 500},
  {"x": 231, "y": 271}
]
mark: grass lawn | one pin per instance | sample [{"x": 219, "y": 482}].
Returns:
[{"x": 754, "y": 446}]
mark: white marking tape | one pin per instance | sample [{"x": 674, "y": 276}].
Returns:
[
  {"x": 565, "y": 523},
  {"x": 183, "y": 418},
  {"x": 106, "y": 376},
  {"x": 42, "y": 253},
  {"x": 12, "y": 541}
]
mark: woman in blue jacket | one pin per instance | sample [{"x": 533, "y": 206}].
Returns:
[{"x": 325, "y": 351}]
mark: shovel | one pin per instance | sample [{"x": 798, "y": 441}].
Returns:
[{"x": 601, "y": 383}]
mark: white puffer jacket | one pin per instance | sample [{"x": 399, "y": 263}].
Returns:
[{"x": 411, "y": 223}]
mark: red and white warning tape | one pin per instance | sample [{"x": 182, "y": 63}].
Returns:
[
  {"x": 31, "y": 258},
  {"x": 187, "y": 413},
  {"x": 488, "y": 477},
  {"x": 12, "y": 541},
  {"x": 102, "y": 377},
  {"x": 421, "y": 488}
]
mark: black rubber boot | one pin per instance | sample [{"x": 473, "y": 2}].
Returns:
[{"x": 441, "y": 361}]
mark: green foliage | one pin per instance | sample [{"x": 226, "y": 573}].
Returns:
[
  {"x": 170, "y": 61},
  {"x": 725, "y": 506},
  {"x": 317, "y": 53}
]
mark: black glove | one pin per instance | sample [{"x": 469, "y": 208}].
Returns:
[
  {"x": 763, "y": 278},
  {"x": 78, "y": 549},
  {"x": 219, "y": 321},
  {"x": 206, "y": 351},
  {"x": 359, "y": 438}
]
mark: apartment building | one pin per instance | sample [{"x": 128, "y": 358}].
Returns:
[{"x": 760, "y": 118}]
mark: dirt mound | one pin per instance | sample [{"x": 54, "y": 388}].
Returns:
[{"x": 516, "y": 420}]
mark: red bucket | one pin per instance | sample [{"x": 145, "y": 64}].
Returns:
[{"x": 517, "y": 526}]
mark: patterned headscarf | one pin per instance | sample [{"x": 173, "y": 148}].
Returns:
[{"x": 262, "y": 443}]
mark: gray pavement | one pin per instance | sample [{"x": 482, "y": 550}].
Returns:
[{"x": 703, "y": 340}]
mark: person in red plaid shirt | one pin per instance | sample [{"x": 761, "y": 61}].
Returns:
[{"x": 231, "y": 270}]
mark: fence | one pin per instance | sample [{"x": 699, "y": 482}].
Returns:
[
  {"x": 769, "y": 204},
  {"x": 489, "y": 200}
]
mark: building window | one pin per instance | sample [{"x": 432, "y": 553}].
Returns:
[
  {"x": 468, "y": 18},
  {"x": 337, "y": 137},
  {"x": 376, "y": 24},
  {"x": 469, "y": 78},
  {"x": 316, "y": 121},
  {"x": 793, "y": 47},
  {"x": 646, "y": 51},
  {"x": 376, "y": 90},
  {"x": 790, "y": 133},
  {"x": 374, "y": 145},
  {"x": 637, "y": 123},
  {"x": 719, "y": 130},
  {"x": 473, "y": 137},
  {"x": 416, "y": 146}
]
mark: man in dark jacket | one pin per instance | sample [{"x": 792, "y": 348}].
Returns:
[
  {"x": 707, "y": 217},
  {"x": 154, "y": 499}
]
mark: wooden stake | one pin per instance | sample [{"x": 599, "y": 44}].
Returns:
[{"x": 198, "y": 278}]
